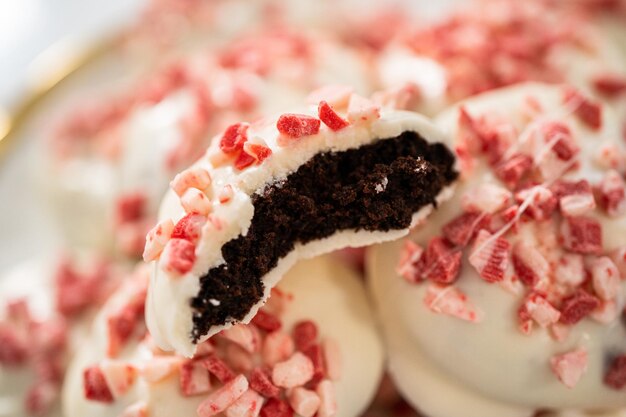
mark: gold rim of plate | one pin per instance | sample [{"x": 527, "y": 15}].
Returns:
[{"x": 47, "y": 72}]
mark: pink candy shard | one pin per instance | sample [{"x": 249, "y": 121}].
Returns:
[
  {"x": 589, "y": 112},
  {"x": 490, "y": 256},
  {"x": 305, "y": 334},
  {"x": 234, "y": 137},
  {"x": 245, "y": 336},
  {"x": 260, "y": 382},
  {"x": 612, "y": 190},
  {"x": 582, "y": 235},
  {"x": 248, "y": 405},
  {"x": 441, "y": 263},
  {"x": 304, "y": 402},
  {"x": 330, "y": 118},
  {"x": 178, "y": 256},
  {"x": 194, "y": 378},
  {"x": 362, "y": 110},
  {"x": 295, "y": 371},
  {"x": 95, "y": 385},
  {"x": 529, "y": 264},
  {"x": 157, "y": 239},
  {"x": 570, "y": 270},
  {"x": 577, "y": 204},
  {"x": 196, "y": 202},
  {"x": 605, "y": 278},
  {"x": 277, "y": 347},
  {"x": 239, "y": 358},
  {"x": 577, "y": 306},
  {"x": 328, "y": 403},
  {"x": 120, "y": 376},
  {"x": 194, "y": 177},
  {"x": 189, "y": 227},
  {"x": 408, "y": 265},
  {"x": 486, "y": 198},
  {"x": 610, "y": 84},
  {"x": 570, "y": 367},
  {"x": 219, "y": 369},
  {"x": 296, "y": 126},
  {"x": 539, "y": 202},
  {"x": 616, "y": 374},
  {"x": 451, "y": 301},
  {"x": 463, "y": 228},
  {"x": 541, "y": 311},
  {"x": 220, "y": 399},
  {"x": 332, "y": 358}
]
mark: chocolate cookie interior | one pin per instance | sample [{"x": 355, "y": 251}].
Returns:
[{"x": 377, "y": 187}]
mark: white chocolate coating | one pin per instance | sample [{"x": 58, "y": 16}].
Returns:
[
  {"x": 171, "y": 328},
  {"x": 447, "y": 367},
  {"x": 310, "y": 281}
]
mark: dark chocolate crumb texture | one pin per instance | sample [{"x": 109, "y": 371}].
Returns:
[{"x": 377, "y": 187}]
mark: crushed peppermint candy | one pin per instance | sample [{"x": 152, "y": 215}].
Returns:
[
  {"x": 570, "y": 367},
  {"x": 534, "y": 225},
  {"x": 248, "y": 370}
]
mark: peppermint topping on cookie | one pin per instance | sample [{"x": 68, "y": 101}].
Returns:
[
  {"x": 246, "y": 370},
  {"x": 534, "y": 226}
]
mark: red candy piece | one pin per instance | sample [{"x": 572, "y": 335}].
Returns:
[
  {"x": 259, "y": 152},
  {"x": 462, "y": 229},
  {"x": 13, "y": 350},
  {"x": 95, "y": 386},
  {"x": 234, "y": 137},
  {"x": 121, "y": 326},
  {"x": 316, "y": 354},
  {"x": 610, "y": 85},
  {"x": 441, "y": 263},
  {"x": 261, "y": 383},
  {"x": 244, "y": 160},
  {"x": 577, "y": 306},
  {"x": 189, "y": 227},
  {"x": 616, "y": 375},
  {"x": 582, "y": 235},
  {"x": 559, "y": 135},
  {"x": 305, "y": 334},
  {"x": 130, "y": 207},
  {"x": 179, "y": 255},
  {"x": 276, "y": 408},
  {"x": 219, "y": 369},
  {"x": 564, "y": 188},
  {"x": 194, "y": 378},
  {"x": 41, "y": 397},
  {"x": 513, "y": 169},
  {"x": 587, "y": 111},
  {"x": 490, "y": 256},
  {"x": 330, "y": 118},
  {"x": 298, "y": 125},
  {"x": 266, "y": 321}
]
